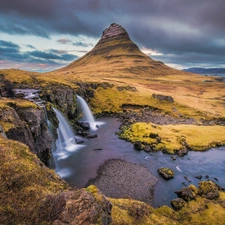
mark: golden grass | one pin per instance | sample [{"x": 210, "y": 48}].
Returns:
[
  {"x": 18, "y": 76},
  {"x": 8, "y": 118},
  {"x": 198, "y": 212},
  {"x": 173, "y": 137},
  {"x": 25, "y": 186}
]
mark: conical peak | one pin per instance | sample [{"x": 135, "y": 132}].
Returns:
[{"x": 114, "y": 30}]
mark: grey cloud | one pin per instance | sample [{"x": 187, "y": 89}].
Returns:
[
  {"x": 11, "y": 51},
  {"x": 81, "y": 44},
  {"x": 8, "y": 44},
  {"x": 175, "y": 27},
  {"x": 64, "y": 41},
  {"x": 31, "y": 46}
]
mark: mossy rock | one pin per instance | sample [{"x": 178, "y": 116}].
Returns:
[
  {"x": 166, "y": 173},
  {"x": 208, "y": 189},
  {"x": 178, "y": 203},
  {"x": 187, "y": 193}
]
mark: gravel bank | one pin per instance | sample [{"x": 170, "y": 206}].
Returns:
[{"x": 118, "y": 179}]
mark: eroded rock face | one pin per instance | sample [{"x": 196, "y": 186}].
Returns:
[
  {"x": 83, "y": 208},
  {"x": 62, "y": 96},
  {"x": 114, "y": 30},
  {"x": 29, "y": 127}
]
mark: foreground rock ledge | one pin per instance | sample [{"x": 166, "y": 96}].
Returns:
[{"x": 119, "y": 179}]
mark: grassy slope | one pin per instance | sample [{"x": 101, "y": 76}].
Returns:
[
  {"x": 199, "y": 211},
  {"x": 27, "y": 187}
]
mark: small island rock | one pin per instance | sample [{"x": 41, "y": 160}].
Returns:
[{"x": 166, "y": 173}]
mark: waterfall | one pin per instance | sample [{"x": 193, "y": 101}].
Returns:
[
  {"x": 65, "y": 144},
  {"x": 87, "y": 114}
]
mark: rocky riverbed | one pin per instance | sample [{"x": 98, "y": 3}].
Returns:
[{"x": 118, "y": 179}]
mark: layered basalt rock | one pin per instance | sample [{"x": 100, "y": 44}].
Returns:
[{"x": 28, "y": 126}]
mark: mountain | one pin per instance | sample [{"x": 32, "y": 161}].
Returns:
[
  {"x": 116, "y": 54},
  {"x": 209, "y": 71}
]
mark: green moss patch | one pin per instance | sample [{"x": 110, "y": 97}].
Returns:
[{"x": 176, "y": 137}]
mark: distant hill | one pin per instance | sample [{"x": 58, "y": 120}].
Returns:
[
  {"x": 210, "y": 71},
  {"x": 116, "y": 54}
]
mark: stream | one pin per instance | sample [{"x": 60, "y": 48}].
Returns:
[{"x": 79, "y": 163}]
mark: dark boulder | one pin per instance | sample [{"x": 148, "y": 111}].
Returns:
[
  {"x": 198, "y": 177},
  {"x": 138, "y": 146},
  {"x": 178, "y": 203},
  {"x": 153, "y": 135},
  {"x": 163, "y": 98},
  {"x": 187, "y": 193},
  {"x": 166, "y": 173},
  {"x": 85, "y": 125},
  {"x": 92, "y": 136},
  {"x": 79, "y": 140}
]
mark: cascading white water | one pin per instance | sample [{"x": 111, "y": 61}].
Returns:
[
  {"x": 87, "y": 114},
  {"x": 65, "y": 144},
  {"x": 64, "y": 127}
]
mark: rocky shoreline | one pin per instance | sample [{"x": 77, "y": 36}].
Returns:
[{"x": 121, "y": 179}]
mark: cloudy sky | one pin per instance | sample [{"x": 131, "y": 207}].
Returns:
[{"x": 43, "y": 35}]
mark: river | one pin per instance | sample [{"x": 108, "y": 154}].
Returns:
[{"x": 78, "y": 164}]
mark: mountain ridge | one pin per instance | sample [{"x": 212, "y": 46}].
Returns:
[
  {"x": 200, "y": 70},
  {"x": 116, "y": 54}
]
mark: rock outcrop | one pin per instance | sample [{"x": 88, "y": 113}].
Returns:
[
  {"x": 27, "y": 124},
  {"x": 166, "y": 173},
  {"x": 114, "y": 30},
  {"x": 34, "y": 194},
  {"x": 62, "y": 96}
]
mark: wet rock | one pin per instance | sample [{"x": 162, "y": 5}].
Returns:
[
  {"x": 98, "y": 149},
  {"x": 173, "y": 158},
  {"x": 186, "y": 178},
  {"x": 85, "y": 125},
  {"x": 208, "y": 189},
  {"x": 178, "y": 203},
  {"x": 187, "y": 193},
  {"x": 138, "y": 146},
  {"x": 199, "y": 177},
  {"x": 92, "y": 136},
  {"x": 166, "y": 173},
  {"x": 147, "y": 148},
  {"x": 79, "y": 140},
  {"x": 163, "y": 98},
  {"x": 182, "y": 152}
]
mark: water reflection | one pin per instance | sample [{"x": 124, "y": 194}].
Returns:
[{"x": 82, "y": 164}]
